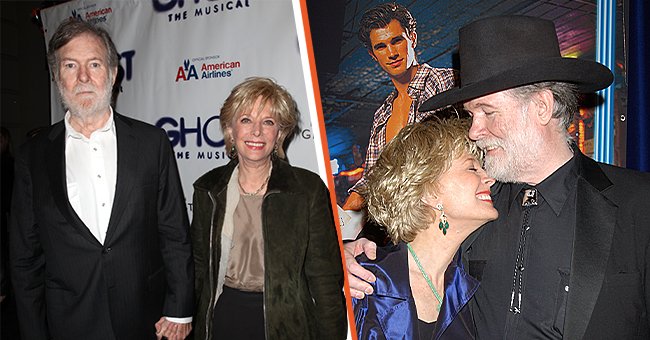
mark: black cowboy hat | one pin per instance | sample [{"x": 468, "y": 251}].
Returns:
[{"x": 503, "y": 52}]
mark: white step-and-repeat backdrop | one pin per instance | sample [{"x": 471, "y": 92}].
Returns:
[{"x": 179, "y": 59}]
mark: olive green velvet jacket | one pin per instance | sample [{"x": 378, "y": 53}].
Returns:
[{"x": 303, "y": 278}]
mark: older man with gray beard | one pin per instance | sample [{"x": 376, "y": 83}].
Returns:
[
  {"x": 100, "y": 245},
  {"x": 569, "y": 255}
]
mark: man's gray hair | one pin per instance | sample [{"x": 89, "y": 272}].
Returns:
[
  {"x": 565, "y": 95},
  {"x": 72, "y": 28}
]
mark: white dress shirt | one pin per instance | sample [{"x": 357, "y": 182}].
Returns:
[{"x": 91, "y": 176}]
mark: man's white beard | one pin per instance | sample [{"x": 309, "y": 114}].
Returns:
[
  {"x": 97, "y": 106},
  {"x": 519, "y": 151}
]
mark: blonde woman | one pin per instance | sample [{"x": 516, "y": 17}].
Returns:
[
  {"x": 266, "y": 252},
  {"x": 428, "y": 189}
]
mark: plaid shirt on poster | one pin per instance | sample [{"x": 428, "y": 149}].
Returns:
[{"x": 426, "y": 83}]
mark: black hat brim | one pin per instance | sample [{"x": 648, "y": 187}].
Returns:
[{"x": 589, "y": 76}]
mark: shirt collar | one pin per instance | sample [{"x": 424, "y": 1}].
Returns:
[
  {"x": 417, "y": 83},
  {"x": 109, "y": 126},
  {"x": 419, "y": 79},
  {"x": 554, "y": 189}
]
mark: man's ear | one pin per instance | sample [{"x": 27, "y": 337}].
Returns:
[
  {"x": 544, "y": 103},
  {"x": 414, "y": 38},
  {"x": 114, "y": 74}
]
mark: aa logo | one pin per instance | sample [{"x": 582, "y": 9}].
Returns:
[
  {"x": 186, "y": 72},
  {"x": 76, "y": 16}
]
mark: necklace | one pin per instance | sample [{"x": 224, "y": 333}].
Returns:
[
  {"x": 245, "y": 193},
  {"x": 426, "y": 277}
]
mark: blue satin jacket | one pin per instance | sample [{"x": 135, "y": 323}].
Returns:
[{"x": 390, "y": 313}]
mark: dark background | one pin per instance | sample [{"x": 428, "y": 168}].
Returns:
[
  {"x": 25, "y": 106},
  {"x": 24, "y": 78}
]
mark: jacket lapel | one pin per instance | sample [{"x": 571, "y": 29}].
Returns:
[
  {"x": 460, "y": 288},
  {"x": 595, "y": 223},
  {"x": 397, "y": 315},
  {"x": 55, "y": 167},
  {"x": 282, "y": 178},
  {"x": 397, "y": 320},
  {"x": 127, "y": 169}
]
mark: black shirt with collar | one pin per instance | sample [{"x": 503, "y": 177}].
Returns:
[{"x": 545, "y": 250}]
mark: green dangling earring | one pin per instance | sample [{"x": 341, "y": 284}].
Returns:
[{"x": 444, "y": 224}]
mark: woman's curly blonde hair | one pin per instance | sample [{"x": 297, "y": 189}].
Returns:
[{"x": 409, "y": 168}]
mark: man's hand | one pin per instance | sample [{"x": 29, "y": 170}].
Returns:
[
  {"x": 358, "y": 277},
  {"x": 172, "y": 330}
]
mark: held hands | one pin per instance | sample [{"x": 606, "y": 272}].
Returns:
[
  {"x": 358, "y": 277},
  {"x": 172, "y": 330}
]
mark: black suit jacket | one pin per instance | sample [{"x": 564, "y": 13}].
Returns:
[
  {"x": 609, "y": 296},
  {"x": 70, "y": 286}
]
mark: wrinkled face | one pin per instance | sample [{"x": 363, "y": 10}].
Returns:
[
  {"x": 255, "y": 134},
  {"x": 501, "y": 126},
  {"x": 85, "y": 80},
  {"x": 392, "y": 48},
  {"x": 464, "y": 191}
]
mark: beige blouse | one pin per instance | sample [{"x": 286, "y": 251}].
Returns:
[{"x": 246, "y": 263}]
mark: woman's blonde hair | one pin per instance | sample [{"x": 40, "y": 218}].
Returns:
[
  {"x": 409, "y": 168},
  {"x": 242, "y": 99}
]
